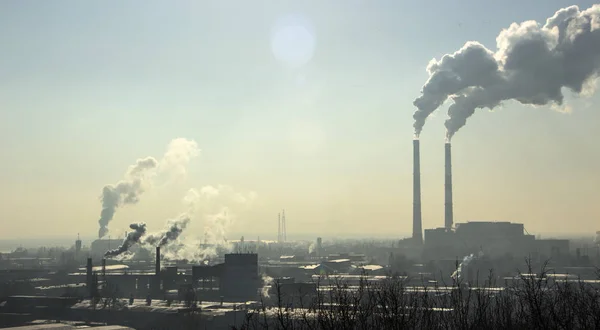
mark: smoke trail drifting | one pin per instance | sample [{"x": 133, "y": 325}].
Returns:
[
  {"x": 311, "y": 247},
  {"x": 216, "y": 204},
  {"x": 267, "y": 282},
  {"x": 126, "y": 191},
  {"x": 175, "y": 226},
  {"x": 457, "y": 275},
  {"x": 177, "y": 158},
  {"x": 138, "y": 178},
  {"x": 139, "y": 229},
  {"x": 531, "y": 65},
  {"x": 195, "y": 250},
  {"x": 218, "y": 215}
]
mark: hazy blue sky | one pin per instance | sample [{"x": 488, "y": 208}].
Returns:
[{"x": 87, "y": 87}]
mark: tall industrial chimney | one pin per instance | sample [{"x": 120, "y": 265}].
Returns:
[
  {"x": 157, "y": 261},
  {"x": 89, "y": 277},
  {"x": 88, "y": 272},
  {"x": 417, "y": 223},
  {"x": 448, "y": 219},
  {"x": 156, "y": 283}
]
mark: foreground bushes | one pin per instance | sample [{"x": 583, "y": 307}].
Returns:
[{"x": 534, "y": 302}]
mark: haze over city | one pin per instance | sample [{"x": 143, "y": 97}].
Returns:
[{"x": 321, "y": 127}]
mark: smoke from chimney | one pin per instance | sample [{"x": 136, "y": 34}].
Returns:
[
  {"x": 138, "y": 178},
  {"x": 531, "y": 65},
  {"x": 449, "y": 213},
  {"x": 218, "y": 206},
  {"x": 139, "y": 229},
  {"x": 126, "y": 191},
  {"x": 176, "y": 159},
  {"x": 417, "y": 221},
  {"x": 175, "y": 226}
]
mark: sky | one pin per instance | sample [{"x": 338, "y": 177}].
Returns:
[{"x": 321, "y": 126}]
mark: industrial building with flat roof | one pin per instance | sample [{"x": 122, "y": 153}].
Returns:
[{"x": 494, "y": 239}]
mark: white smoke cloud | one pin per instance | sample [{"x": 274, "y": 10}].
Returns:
[
  {"x": 219, "y": 216},
  {"x": 175, "y": 161},
  {"x": 139, "y": 178},
  {"x": 174, "y": 227},
  {"x": 532, "y": 64},
  {"x": 457, "y": 275},
  {"x": 311, "y": 247},
  {"x": 126, "y": 191},
  {"x": 267, "y": 284},
  {"x": 216, "y": 205}
]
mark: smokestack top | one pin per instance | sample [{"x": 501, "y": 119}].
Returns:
[{"x": 417, "y": 221}]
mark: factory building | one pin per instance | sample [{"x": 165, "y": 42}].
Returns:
[
  {"x": 494, "y": 239},
  {"x": 236, "y": 279},
  {"x": 239, "y": 279},
  {"x": 455, "y": 240}
]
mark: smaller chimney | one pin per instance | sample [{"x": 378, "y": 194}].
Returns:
[
  {"x": 319, "y": 246},
  {"x": 88, "y": 271},
  {"x": 156, "y": 283},
  {"x": 157, "y": 261},
  {"x": 89, "y": 276}
]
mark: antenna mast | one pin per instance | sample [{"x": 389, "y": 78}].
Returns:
[
  {"x": 284, "y": 227},
  {"x": 279, "y": 228}
]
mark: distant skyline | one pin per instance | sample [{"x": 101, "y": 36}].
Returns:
[{"x": 321, "y": 126}]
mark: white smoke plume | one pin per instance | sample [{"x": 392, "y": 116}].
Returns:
[
  {"x": 531, "y": 65},
  {"x": 126, "y": 191},
  {"x": 311, "y": 247},
  {"x": 219, "y": 216},
  {"x": 457, "y": 275},
  {"x": 125, "y": 256},
  {"x": 175, "y": 226},
  {"x": 217, "y": 206},
  {"x": 175, "y": 161},
  {"x": 133, "y": 237},
  {"x": 216, "y": 227},
  {"x": 139, "y": 178},
  {"x": 267, "y": 284},
  {"x": 170, "y": 233}
]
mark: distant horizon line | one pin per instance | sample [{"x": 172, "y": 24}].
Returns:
[{"x": 301, "y": 236}]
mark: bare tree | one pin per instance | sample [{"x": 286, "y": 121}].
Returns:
[{"x": 536, "y": 300}]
